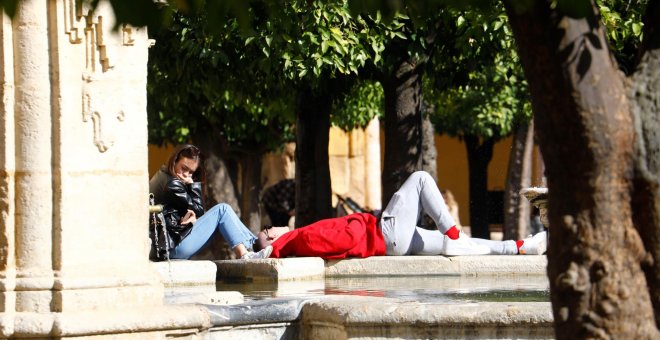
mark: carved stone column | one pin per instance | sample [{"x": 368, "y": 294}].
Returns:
[
  {"x": 79, "y": 212},
  {"x": 33, "y": 156},
  {"x": 7, "y": 169}
]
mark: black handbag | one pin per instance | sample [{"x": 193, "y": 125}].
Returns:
[{"x": 160, "y": 240}]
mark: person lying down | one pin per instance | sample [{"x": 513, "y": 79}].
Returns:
[{"x": 395, "y": 233}]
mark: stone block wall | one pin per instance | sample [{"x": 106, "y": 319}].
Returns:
[{"x": 355, "y": 164}]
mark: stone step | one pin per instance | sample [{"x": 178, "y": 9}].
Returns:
[
  {"x": 294, "y": 268},
  {"x": 373, "y": 318},
  {"x": 205, "y": 298},
  {"x": 438, "y": 265},
  {"x": 185, "y": 273},
  {"x": 305, "y": 268},
  {"x": 193, "y": 282},
  {"x": 348, "y": 317},
  {"x": 181, "y": 273}
]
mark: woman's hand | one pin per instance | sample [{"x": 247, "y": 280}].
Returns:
[
  {"x": 274, "y": 233},
  {"x": 190, "y": 217},
  {"x": 185, "y": 179}
]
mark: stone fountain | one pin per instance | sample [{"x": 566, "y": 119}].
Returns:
[{"x": 539, "y": 198}]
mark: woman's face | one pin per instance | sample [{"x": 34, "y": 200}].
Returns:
[
  {"x": 274, "y": 233},
  {"x": 184, "y": 169}
]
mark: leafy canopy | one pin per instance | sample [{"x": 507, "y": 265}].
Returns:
[
  {"x": 199, "y": 82},
  {"x": 244, "y": 83},
  {"x": 477, "y": 86}
]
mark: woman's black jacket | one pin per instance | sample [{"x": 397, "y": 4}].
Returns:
[{"x": 177, "y": 198}]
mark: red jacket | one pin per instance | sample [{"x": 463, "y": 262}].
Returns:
[{"x": 355, "y": 235}]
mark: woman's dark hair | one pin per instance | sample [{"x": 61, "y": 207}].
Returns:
[
  {"x": 260, "y": 243},
  {"x": 262, "y": 240},
  {"x": 192, "y": 152}
]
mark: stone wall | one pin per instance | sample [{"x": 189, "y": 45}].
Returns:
[{"x": 355, "y": 164}]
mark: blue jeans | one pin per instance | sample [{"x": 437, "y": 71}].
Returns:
[{"x": 221, "y": 217}]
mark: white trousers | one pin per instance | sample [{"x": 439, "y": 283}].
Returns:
[{"x": 419, "y": 193}]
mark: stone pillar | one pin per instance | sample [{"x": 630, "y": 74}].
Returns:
[
  {"x": 34, "y": 180},
  {"x": 81, "y": 184},
  {"x": 373, "y": 166},
  {"x": 7, "y": 169}
]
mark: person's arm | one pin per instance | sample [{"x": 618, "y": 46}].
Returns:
[
  {"x": 178, "y": 196},
  {"x": 197, "y": 204}
]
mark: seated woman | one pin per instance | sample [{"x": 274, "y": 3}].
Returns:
[
  {"x": 178, "y": 187},
  {"x": 359, "y": 235}
]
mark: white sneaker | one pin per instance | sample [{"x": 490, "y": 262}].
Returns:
[
  {"x": 534, "y": 245},
  {"x": 261, "y": 254},
  {"x": 463, "y": 246}
]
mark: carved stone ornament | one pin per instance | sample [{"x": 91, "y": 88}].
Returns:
[
  {"x": 72, "y": 15},
  {"x": 127, "y": 35},
  {"x": 94, "y": 42},
  {"x": 100, "y": 105}
]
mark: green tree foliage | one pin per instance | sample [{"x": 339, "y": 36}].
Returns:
[
  {"x": 476, "y": 91},
  {"x": 255, "y": 73},
  {"x": 362, "y": 103},
  {"x": 623, "y": 20},
  {"x": 201, "y": 82},
  {"x": 310, "y": 41},
  {"x": 477, "y": 87}
]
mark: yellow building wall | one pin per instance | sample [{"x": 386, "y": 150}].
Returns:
[
  {"x": 339, "y": 163},
  {"x": 499, "y": 165},
  {"x": 453, "y": 174},
  {"x": 158, "y": 155},
  {"x": 452, "y": 168}
]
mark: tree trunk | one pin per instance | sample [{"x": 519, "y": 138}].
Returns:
[
  {"x": 519, "y": 176},
  {"x": 429, "y": 163},
  {"x": 250, "y": 189},
  {"x": 403, "y": 126},
  {"x": 220, "y": 187},
  {"x": 221, "y": 174},
  {"x": 585, "y": 133},
  {"x": 479, "y": 155},
  {"x": 313, "y": 192},
  {"x": 429, "y": 151},
  {"x": 645, "y": 97}
]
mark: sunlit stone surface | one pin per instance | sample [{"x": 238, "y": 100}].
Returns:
[
  {"x": 426, "y": 297},
  {"x": 306, "y": 268},
  {"x": 73, "y": 179}
]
